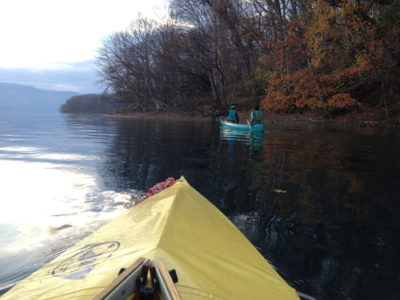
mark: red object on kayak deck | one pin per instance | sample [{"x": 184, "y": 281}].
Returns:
[{"x": 157, "y": 188}]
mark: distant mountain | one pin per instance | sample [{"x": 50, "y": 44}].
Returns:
[
  {"x": 22, "y": 98},
  {"x": 79, "y": 77}
]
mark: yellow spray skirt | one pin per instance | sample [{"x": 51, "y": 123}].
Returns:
[{"x": 212, "y": 258}]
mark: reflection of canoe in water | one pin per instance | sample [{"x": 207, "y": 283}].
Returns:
[
  {"x": 212, "y": 258},
  {"x": 252, "y": 138},
  {"x": 242, "y": 127}
]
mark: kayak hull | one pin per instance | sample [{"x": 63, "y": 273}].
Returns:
[
  {"x": 212, "y": 258},
  {"x": 242, "y": 127}
]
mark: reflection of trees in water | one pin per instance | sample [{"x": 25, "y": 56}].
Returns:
[
  {"x": 335, "y": 227},
  {"x": 333, "y": 234},
  {"x": 145, "y": 152}
]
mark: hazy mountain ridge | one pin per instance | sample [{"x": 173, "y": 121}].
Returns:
[
  {"x": 23, "y": 97},
  {"x": 79, "y": 77}
]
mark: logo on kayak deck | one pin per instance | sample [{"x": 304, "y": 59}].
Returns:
[{"x": 85, "y": 260}]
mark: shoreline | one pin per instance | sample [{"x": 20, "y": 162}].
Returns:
[
  {"x": 350, "y": 119},
  {"x": 161, "y": 115}
]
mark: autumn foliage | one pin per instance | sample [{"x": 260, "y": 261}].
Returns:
[
  {"x": 295, "y": 55},
  {"x": 332, "y": 57}
]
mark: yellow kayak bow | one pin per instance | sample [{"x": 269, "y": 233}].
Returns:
[{"x": 212, "y": 258}]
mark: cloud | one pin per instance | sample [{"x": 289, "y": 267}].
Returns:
[
  {"x": 77, "y": 77},
  {"x": 43, "y": 33},
  {"x": 52, "y": 44}
]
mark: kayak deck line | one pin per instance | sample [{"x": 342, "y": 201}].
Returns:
[{"x": 179, "y": 226}]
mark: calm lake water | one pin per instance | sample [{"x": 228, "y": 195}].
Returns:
[{"x": 320, "y": 202}]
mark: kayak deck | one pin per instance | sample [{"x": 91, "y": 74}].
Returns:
[{"x": 212, "y": 258}]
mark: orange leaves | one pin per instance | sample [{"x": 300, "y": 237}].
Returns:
[
  {"x": 320, "y": 35},
  {"x": 289, "y": 54},
  {"x": 342, "y": 100},
  {"x": 325, "y": 61},
  {"x": 310, "y": 102},
  {"x": 275, "y": 101},
  {"x": 299, "y": 89}
]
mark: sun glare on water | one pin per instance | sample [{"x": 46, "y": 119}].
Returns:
[{"x": 45, "y": 197}]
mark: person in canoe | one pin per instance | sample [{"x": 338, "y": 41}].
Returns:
[
  {"x": 256, "y": 116},
  {"x": 232, "y": 115}
]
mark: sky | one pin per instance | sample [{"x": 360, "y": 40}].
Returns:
[{"x": 45, "y": 38}]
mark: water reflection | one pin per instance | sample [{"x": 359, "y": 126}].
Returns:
[
  {"x": 146, "y": 152},
  {"x": 231, "y": 136},
  {"x": 50, "y": 196},
  {"x": 335, "y": 229},
  {"x": 319, "y": 202}
]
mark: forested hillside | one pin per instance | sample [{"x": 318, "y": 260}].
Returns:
[
  {"x": 94, "y": 103},
  {"x": 290, "y": 55}
]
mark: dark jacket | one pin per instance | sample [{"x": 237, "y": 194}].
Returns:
[{"x": 232, "y": 116}]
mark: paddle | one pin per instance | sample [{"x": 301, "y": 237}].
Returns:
[{"x": 248, "y": 123}]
